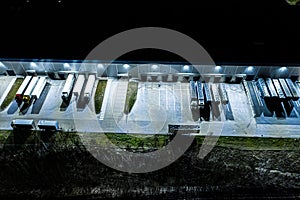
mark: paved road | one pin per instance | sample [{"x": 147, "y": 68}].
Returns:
[{"x": 115, "y": 106}]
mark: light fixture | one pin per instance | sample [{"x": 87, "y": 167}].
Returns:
[
  {"x": 283, "y": 69},
  {"x": 126, "y": 66},
  {"x": 186, "y": 67},
  {"x": 154, "y": 67},
  {"x": 249, "y": 69},
  {"x": 100, "y": 66},
  {"x": 33, "y": 64},
  {"x": 1, "y": 64},
  {"x": 66, "y": 65},
  {"x": 218, "y": 68}
]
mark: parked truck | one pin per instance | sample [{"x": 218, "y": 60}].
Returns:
[
  {"x": 48, "y": 125},
  {"x": 29, "y": 90},
  {"x": 89, "y": 87},
  {"x": 39, "y": 88},
  {"x": 22, "y": 89},
  {"x": 78, "y": 85},
  {"x": 23, "y": 124},
  {"x": 66, "y": 92}
]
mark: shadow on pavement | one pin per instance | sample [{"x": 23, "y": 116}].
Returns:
[
  {"x": 37, "y": 105},
  {"x": 13, "y": 107},
  {"x": 25, "y": 107},
  {"x": 64, "y": 105}
]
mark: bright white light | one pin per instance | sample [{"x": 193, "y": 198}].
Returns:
[
  {"x": 250, "y": 68},
  {"x": 32, "y": 64},
  {"x": 1, "y": 64},
  {"x": 154, "y": 66},
  {"x": 218, "y": 68},
  {"x": 186, "y": 67},
  {"x": 126, "y": 66},
  {"x": 66, "y": 65},
  {"x": 282, "y": 69},
  {"x": 100, "y": 66}
]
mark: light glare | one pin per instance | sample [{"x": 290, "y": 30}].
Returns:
[
  {"x": 154, "y": 66},
  {"x": 100, "y": 66},
  {"x": 186, "y": 67},
  {"x": 126, "y": 66},
  {"x": 218, "y": 68},
  {"x": 32, "y": 64},
  {"x": 282, "y": 69},
  {"x": 66, "y": 65}
]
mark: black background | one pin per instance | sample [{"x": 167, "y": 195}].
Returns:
[{"x": 261, "y": 32}]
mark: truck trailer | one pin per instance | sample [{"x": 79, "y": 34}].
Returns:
[
  {"x": 200, "y": 94},
  {"x": 261, "y": 84},
  {"x": 285, "y": 89},
  {"x": 271, "y": 88},
  {"x": 193, "y": 95},
  {"x": 215, "y": 92},
  {"x": 88, "y": 91},
  {"x": 29, "y": 90},
  {"x": 78, "y": 85},
  {"x": 22, "y": 89},
  {"x": 293, "y": 88},
  {"x": 207, "y": 91},
  {"x": 223, "y": 93},
  {"x": 66, "y": 92},
  {"x": 278, "y": 89},
  {"x": 39, "y": 88}
]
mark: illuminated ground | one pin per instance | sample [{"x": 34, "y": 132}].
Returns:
[{"x": 156, "y": 107}]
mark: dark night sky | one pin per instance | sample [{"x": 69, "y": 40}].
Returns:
[{"x": 248, "y": 31}]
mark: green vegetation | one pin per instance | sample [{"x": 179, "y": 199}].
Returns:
[
  {"x": 3, "y": 136},
  {"x": 129, "y": 141},
  {"x": 130, "y": 96},
  {"x": 66, "y": 138},
  {"x": 34, "y": 137},
  {"x": 138, "y": 141},
  {"x": 251, "y": 143},
  {"x": 293, "y": 2},
  {"x": 12, "y": 93},
  {"x": 69, "y": 139},
  {"x": 99, "y": 95}
]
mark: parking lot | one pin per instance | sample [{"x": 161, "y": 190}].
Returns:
[
  {"x": 46, "y": 107},
  {"x": 157, "y": 105}
]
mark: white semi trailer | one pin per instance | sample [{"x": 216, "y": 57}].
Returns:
[
  {"x": 89, "y": 87},
  {"x": 39, "y": 88},
  {"x": 22, "y": 89},
  {"x": 78, "y": 85},
  {"x": 66, "y": 92}
]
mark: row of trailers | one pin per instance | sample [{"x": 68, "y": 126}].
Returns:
[
  {"x": 205, "y": 100},
  {"x": 80, "y": 86},
  {"x": 273, "y": 96},
  {"x": 30, "y": 89}
]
